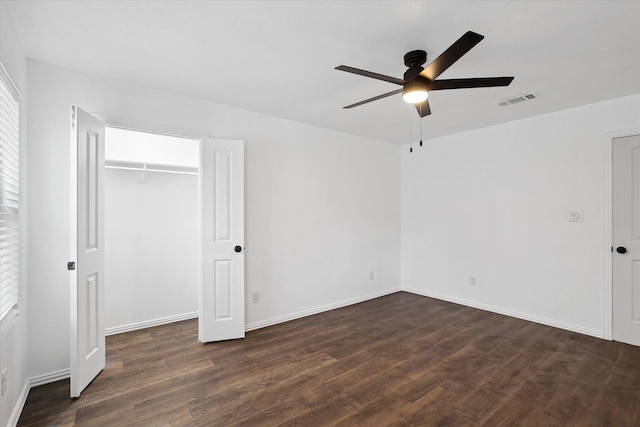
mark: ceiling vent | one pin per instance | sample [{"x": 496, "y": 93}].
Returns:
[{"x": 517, "y": 99}]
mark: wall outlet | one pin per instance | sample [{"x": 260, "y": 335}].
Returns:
[
  {"x": 4, "y": 382},
  {"x": 473, "y": 280},
  {"x": 255, "y": 297},
  {"x": 371, "y": 276}
]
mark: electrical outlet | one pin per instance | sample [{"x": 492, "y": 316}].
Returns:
[
  {"x": 4, "y": 382},
  {"x": 256, "y": 297},
  {"x": 371, "y": 276},
  {"x": 473, "y": 281}
]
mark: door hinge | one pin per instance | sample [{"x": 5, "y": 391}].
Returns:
[{"x": 71, "y": 265}]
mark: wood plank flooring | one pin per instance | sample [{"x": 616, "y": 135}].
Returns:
[{"x": 398, "y": 360}]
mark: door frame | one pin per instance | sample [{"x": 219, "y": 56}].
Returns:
[
  {"x": 152, "y": 128},
  {"x": 607, "y": 289}
]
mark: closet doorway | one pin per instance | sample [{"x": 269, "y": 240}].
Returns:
[
  {"x": 157, "y": 236},
  {"x": 151, "y": 229}
]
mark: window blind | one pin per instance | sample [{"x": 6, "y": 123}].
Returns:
[{"x": 9, "y": 196}]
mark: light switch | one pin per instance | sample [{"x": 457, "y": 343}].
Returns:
[{"x": 575, "y": 216}]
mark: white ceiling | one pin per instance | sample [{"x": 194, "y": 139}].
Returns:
[{"x": 278, "y": 57}]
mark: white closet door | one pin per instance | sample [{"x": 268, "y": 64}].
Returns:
[
  {"x": 221, "y": 194},
  {"x": 87, "y": 280},
  {"x": 626, "y": 240}
]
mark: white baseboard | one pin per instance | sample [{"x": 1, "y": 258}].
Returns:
[
  {"x": 252, "y": 326},
  {"x": 317, "y": 310},
  {"x": 150, "y": 323},
  {"x": 34, "y": 382},
  {"x": 49, "y": 378},
  {"x": 524, "y": 316},
  {"x": 17, "y": 410}
]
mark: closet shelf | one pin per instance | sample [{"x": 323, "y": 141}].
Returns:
[{"x": 150, "y": 167}]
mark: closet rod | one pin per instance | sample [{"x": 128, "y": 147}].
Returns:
[
  {"x": 151, "y": 170},
  {"x": 150, "y": 167}
]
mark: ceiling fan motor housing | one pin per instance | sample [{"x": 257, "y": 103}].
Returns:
[
  {"x": 414, "y": 61},
  {"x": 415, "y": 57}
]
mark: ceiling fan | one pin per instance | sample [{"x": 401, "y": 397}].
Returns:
[{"x": 419, "y": 80}]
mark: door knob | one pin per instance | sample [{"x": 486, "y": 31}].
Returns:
[
  {"x": 621, "y": 250},
  {"x": 238, "y": 249}
]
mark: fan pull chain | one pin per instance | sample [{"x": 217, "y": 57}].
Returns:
[
  {"x": 410, "y": 133},
  {"x": 420, "y": 119}
]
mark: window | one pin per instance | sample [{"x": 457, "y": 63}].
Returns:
[{"x": 9, "y": 198}]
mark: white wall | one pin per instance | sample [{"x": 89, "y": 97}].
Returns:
[
  {"x": 322, "y": 207},
  {"x": 493, "y": 203},
  {"x": 151, "y": 250},
  {"x": 13, "y": 345}
]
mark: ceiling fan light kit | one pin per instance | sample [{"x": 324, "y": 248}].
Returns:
[
  {"x": 414, "y": 94},
  {"x": 418, "y": 80}
]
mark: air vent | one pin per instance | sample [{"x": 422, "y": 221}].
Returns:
[{"x": 517, "y": 99}]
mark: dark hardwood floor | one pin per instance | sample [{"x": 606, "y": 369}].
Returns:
[{"x": 401, "y": 359}]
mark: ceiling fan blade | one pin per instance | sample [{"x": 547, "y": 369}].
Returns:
[
  {"x": 375, "y": 98},
  {"x": 461, "y": 46},
  {"x": 423, "y": 108},
  {"x": 370, "y": 74},
  {"x": 470, "y": 83}
]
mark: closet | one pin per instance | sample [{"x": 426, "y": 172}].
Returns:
[{"x": 151, "y": 223}]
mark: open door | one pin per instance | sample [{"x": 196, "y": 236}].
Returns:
[
  {"x": 221, "y": 193},
  {"x": 626, "y": 240},
  {"x": 87, "y": 264}
]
